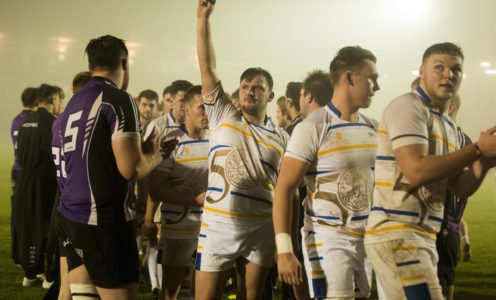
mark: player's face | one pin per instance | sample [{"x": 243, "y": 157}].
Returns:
[
  {"x": 364, "y": 84},
  {"x": 441, "y": 76},
  {"x": 147, "y": 108},
  {"x": 254, "y": 95},
  {"x": 167, "y": 103},
  {"x": 178, "y": 105},
  {"x": 304, "y": 103},
  {"x": 195, "y": 113},
  {"x": 281, "y": 122}
]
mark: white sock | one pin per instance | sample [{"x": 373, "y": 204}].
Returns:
[{"x": 152, "y": 266}]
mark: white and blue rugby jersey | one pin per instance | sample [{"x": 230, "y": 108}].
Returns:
[
  {"x": 400, "y": 210},
  {"x": 187, "y": 170},
  {"x": 340, "y": 177},
  {"x": 244, "y": 162}
]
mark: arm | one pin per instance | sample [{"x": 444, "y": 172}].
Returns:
[
  {"x": 150, "y": 228},
  {"x": 205, "y": 47},
  {"x": 467, "y": 253},
  {"x": 131, "y": 161},
  {"x": 420, "y": 168},
  {"x": 467, "y": 182},
  {"x": 161, "y": 189},
  {"x": 291, "y": 174}
]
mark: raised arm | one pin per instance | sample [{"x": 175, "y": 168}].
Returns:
[
  {"x": 160, "y": 190},
  {"x": 205, "y": 47}
]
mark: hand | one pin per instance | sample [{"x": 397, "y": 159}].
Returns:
[
  {"x": 289, "y": 269},
  {"x": 149, "y": 145},
  {"x": 205, "y": 8},
  {"x": 167, "y": 146},
  {"x": 487, "y": 142},
  {"x": 467, "y": 253},
  {"x": 200, "y": 198},
  {"x": 150, "y": 229}
]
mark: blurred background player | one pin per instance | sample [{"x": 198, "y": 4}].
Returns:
[
  {"x": 293, "y": 104},
  {"x": 448, "y": 239},
  {"x": 166, "y": 100},
  {"x": 282, "y": 116},
  {"x": 80, "y": 80},
  {"x": 235, "y": 100},
  {"x": 180, "y": 182},
  {"x": 35, "y": 190}
]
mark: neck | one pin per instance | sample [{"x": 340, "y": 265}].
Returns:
[
  {"x": 143, "y": 120},
  {"x": 177, "y": 117},
  {"x": 342, "y": 101},
  {"x": 47, "y": 106},
  {"x": 293, "y": 113},
  {"x": 257, "y": 119},
  {"x": 194, "y": 132},
  {"x": 434, "y": 101},
  {"x": 28, "y": 108},
  {"x": 110, "y": 76}
]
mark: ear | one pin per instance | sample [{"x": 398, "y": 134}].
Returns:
[
  {"x": 348, "y": 78},
  {"x": 271, "y": 96},
  {"x": 124, "y": 63},
  {"x": 421, "y": 71},
  {"x": 308, "y": 98}
]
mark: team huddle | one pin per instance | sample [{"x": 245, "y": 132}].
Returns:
[{"x": 323, "y": 200}]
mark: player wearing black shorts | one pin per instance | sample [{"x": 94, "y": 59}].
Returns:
[
  {"x": 36, "y": 184},
  {"x": 102, "y": 151}
]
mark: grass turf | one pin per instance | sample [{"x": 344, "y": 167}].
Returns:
[{"x": 474, "y": 280}]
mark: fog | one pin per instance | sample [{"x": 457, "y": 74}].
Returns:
[{"x": 44, "y": 41}]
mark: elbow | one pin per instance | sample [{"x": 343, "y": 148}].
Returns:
[{"x": 416, "y": 178}]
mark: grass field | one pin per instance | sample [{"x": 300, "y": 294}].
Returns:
[{"x": 475, "y": 280}]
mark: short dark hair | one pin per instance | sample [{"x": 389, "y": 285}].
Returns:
[
  {"x": 192, "y": 92},
  {"x": 235, "y": 94},
  {"x": 251, "y": 73},
  {"x": 347, "y": 58},
  {"x": 318, "y": 85},
  {"x": 443, "y": 48},
  {"x": 45, "y": 93},
  {"x": 60, "y": 91},
  {"x": 180, "y": 86},
  {"x": 106, "y": 52},
  {"x": 28, "y": 97},
  {"x": 148, "y": 94},
  {"x": 167, "y": 90},
  {"x": 293, "y": 92},
  {"x": 80, "y": 80}
]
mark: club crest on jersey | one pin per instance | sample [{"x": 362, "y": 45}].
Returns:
[
  {"x": 239, "y": 171},
  {"x": 354, "y": 188}
]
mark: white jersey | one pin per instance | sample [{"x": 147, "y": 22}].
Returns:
[
  {"x": 244, "y": 162},
  {"x": 340, "y": 177},
  {"x": 162, "y": 125},
  {"x": 187, "y": 170},
  {"x": 400, "y": 210}
]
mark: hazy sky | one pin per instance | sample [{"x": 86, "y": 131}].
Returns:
[{"x": 43, "y": 41}]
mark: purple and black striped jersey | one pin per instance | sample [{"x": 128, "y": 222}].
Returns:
[
  {"x": 14, "y": 132},
  {"x": 94, "y": 191}
]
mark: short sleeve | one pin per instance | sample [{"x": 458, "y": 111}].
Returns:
[
  {"x": 303, "y": 143},
  {"x": 406, "y": 122},
  {"x": 218, "y": 107},
  {"x": 121, "y": 114}
]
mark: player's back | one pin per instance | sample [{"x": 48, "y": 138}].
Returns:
[{"x": 95, "y": 192}]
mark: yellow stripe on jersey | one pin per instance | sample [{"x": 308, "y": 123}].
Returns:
[
  {"x": 268, "y": 186},
  {"x": 191, "y": 159},
  {"x": 199, "y": 247},
  {"x": 383, "y": 184},
  {"x": 345, "y": 148},
  {"x": 382, "y": 132},
  {"x": 400, "y": 227},
  {"x": 204, "y": 225},
  {"x": 235, "y": 214},
  {"x": 317, "y": 272},
  {"x": 314, "y": 245},
  {"x": 442, "y": 139},
  {"x": 404, "y": 248},
  {"x": 210, "y": 100},
  {"x": 412, "y": 278},
  {"x": 181, "y": 229},
  {"x": 249, "y": 134}
]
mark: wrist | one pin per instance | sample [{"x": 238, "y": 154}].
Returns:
[
  {"x": 283, "y": 243},
  {"x": 477, "y": 150}
]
